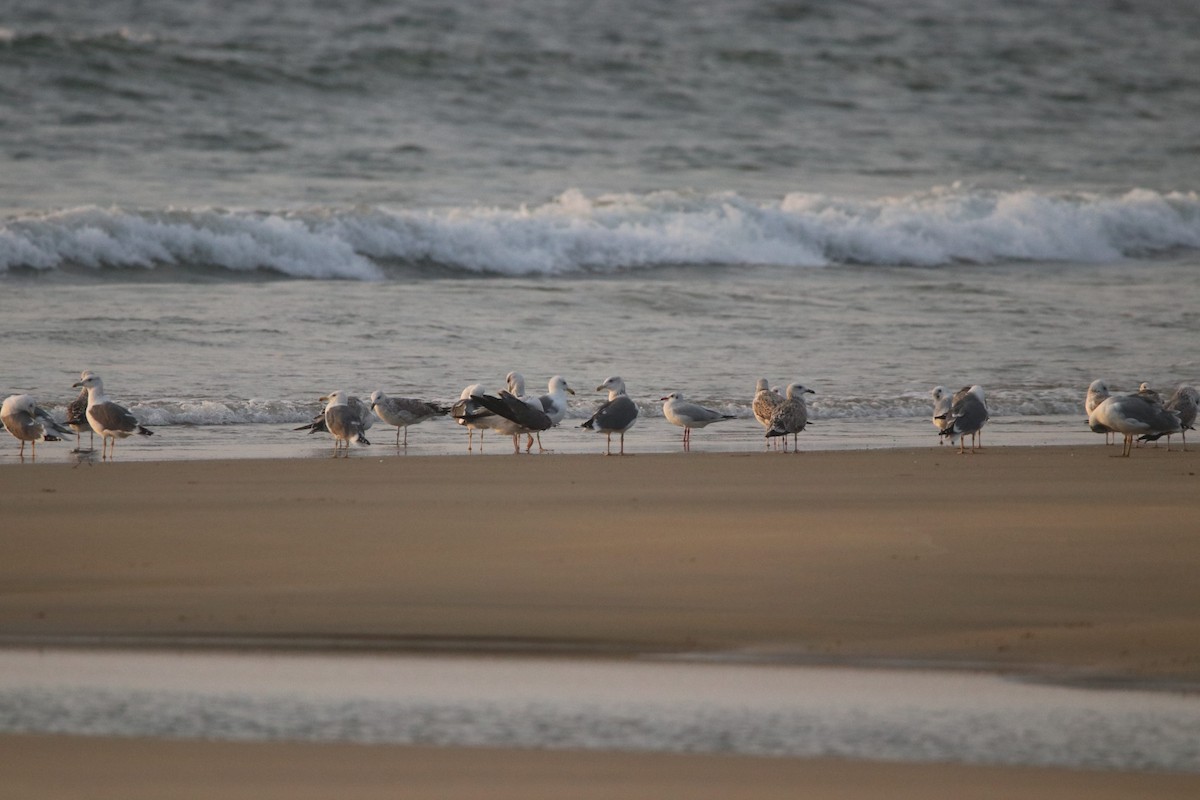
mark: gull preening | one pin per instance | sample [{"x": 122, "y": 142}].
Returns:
[
  {"x": 1097, "y": 393},
  {"x": 968, "y": 413},
  {"x": 942, "y": 401},
  {"x": 790, "y": 416},
  {"x": 679, "y": 411},
  {"x": 343, "y": 421},
  {"x": 1134, "y": 415},
  {"x": 616, "y": 415},
  {"x": 28, "y": 422},
  {"x": 403, "y": 411},
  {"x": 518, "y": 415},
  {"x": 111, "y": 420},
  {"x": 472, "y": 415},
  {"x": 1183, "y": 402}
]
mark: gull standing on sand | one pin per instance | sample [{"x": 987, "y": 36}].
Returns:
[
  {"x": 343, "y": 421},
  {"x": 110, "y": 420},
  {"x": 554, "y": 402},
  {"x": 77, "y": 416},
  {"x": 403, "y": 411},
  {"x": 516, "y": 387},
  {"x": 1184, "y": 403},
  {"x": 791, "y": 416},
  {"x": 1132, "y": 415},
  {"x": 1097, "y": 393},
  {"x": 617, "y": 415},
  {"x": 766, "y": 400},
  {"x": 689, "y": 415},
  {"x": 27, "y": 422},
  {"x": 968, "y": 413}
]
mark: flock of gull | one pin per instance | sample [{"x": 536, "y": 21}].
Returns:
[{"x": 1142, "y": 415}]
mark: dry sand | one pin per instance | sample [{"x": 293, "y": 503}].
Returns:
[{"x": 1057, "y": 560}]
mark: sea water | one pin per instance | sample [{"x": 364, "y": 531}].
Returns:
[{"x": 228, "y": 212}]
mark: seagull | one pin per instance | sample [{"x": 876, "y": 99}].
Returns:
[
  {"x": 1145, "y": 392},
  {"x": 317, "y": 425},
  {"x": 403, "y": 411},
  {"x": 1183, "y": 402},
  {"x": 28, "y": 422},
  {"x": 790, "y": 416},
  {"x": 519, "y": 413},
  {"x": 766, "y": 400},
  {"x": 473, "y": 416},
  {"x": 689, "y": 415},
  {"x": 941, "y": 406},
  {"x": 617, "y": 415},
  {"x": 1097, "y": 393},
  {"x": 1131, "y": 415},
  {"x": 968, "y": 413},
  {"x": 554, "y": 402},
  {"x": 110, "y": 420},
  {"x": 516, "y": 387},
  {"x": 77, "y": 416},
  {"x": 343, "y": 421}
]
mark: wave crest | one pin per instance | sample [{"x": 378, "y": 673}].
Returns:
[{"x": 575, "y": 234}]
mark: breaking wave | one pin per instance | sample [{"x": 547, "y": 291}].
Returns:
[{"x": 574, "y": 234}]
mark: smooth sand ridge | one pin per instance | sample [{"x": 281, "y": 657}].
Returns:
[{"x": 1014, "y": 557}]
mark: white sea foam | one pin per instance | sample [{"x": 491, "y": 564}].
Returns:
[{"x": 576, "y": 234}]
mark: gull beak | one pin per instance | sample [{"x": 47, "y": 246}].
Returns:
[
  {"x": 322, "y": 399},
  {"x": 668, "y": 397},
  {"x": 76, "y": 384},
  {"x": 809, "y": 391},
  {"x": 601, "y": 388},
  {"x": 569, "y": 390}
]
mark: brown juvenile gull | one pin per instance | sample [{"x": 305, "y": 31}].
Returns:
[
  {"x": 27, "y": 422},
  {"x": 403, "y": 411},
  {"x": 343, "y": 422},
  {"x": 791, "y": 416},
  {"x": 616, "y": 415},
  {"x": 77, "y": 416},
  {"x": 686, "y": 415},
  {"x": 766, "y": 400},
  {"x": 1097, "y": 393},
  {"x": 1132, "y": 415},
  {"x": 1184, "y": 402},
  {"x": 110, "y": 420}
]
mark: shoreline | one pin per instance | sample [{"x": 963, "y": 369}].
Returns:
[{"x": 1056, "y": 563}]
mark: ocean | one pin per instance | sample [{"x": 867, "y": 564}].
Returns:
[{"x": 229, "y": 210}]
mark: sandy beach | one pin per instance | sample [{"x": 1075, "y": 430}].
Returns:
[{"x": 1062, "y": 562}]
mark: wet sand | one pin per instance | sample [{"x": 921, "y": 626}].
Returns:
[{"x": 1064, "y": 562}]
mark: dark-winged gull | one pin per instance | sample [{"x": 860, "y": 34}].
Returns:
[
  {"x": 765, "y": 401},
  {"x": 686, "y": 415},
  {"x": 77, "y": 416},
  {"x": 472, "y": 415},
  {"x": 968, "y": 413},
  {"x": 28, "y": 422},
  {"x": 516, "y": 387},
  {"x": 942, "y": 400},
  {"x": 791, "y": 416},
  {"x": 524, "y": 418},
  {"x": 343, "y": 421},
  {"x": 616, "y": 415},
  {"x": 1097, "y": 393},
  {"x": 1133, "y": 415},
  {"x": 403, "y": 411},
  {"x": 317, "y": 425},
  {"x": 1184, "y": 402},
  {"x": 110, "y": 420},
  {"x": 554, "y": 402}
]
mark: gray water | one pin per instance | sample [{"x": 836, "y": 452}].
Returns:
[{"x": 229, "y": 211}]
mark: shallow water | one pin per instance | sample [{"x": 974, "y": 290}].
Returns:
[{"x": 894, "y": 715}]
